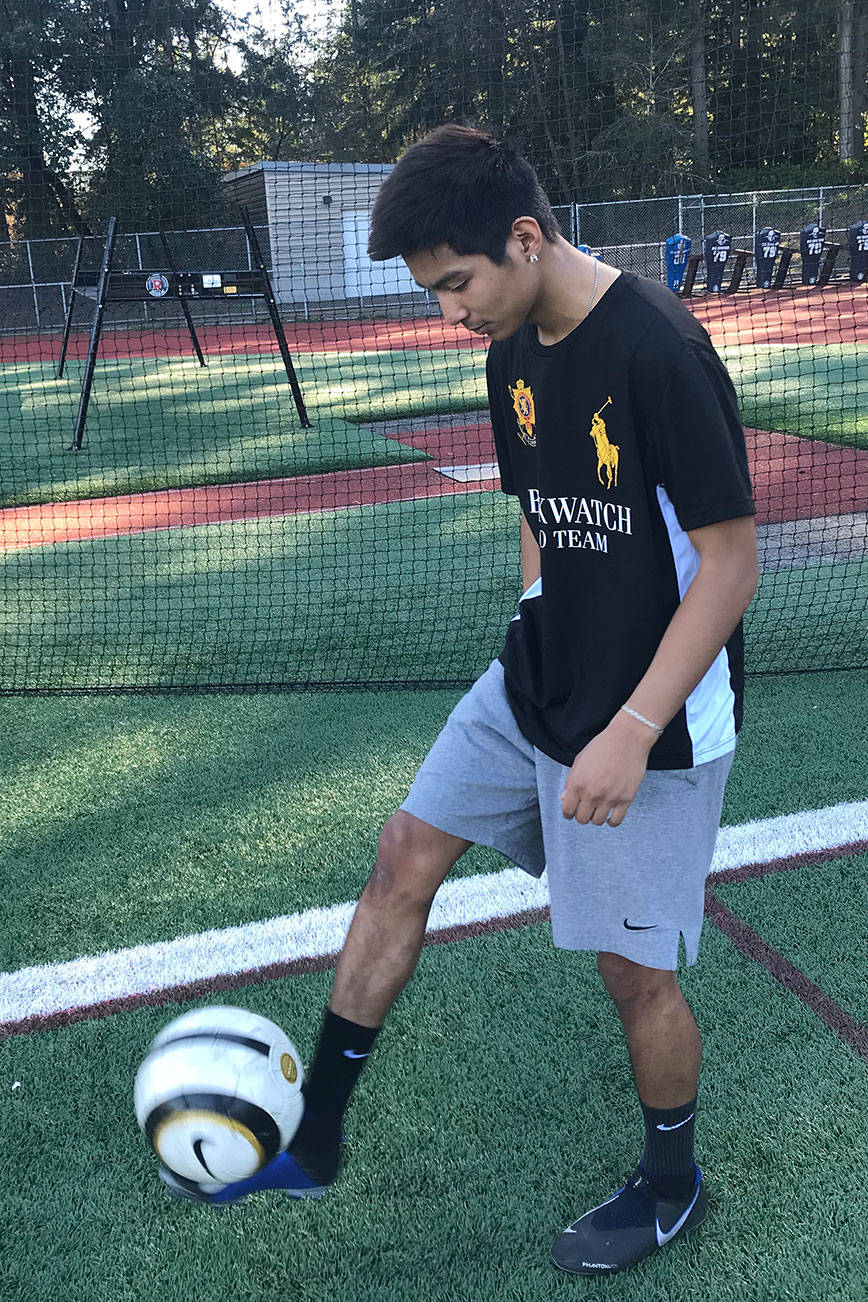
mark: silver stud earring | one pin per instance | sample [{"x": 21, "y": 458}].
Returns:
[{"x": 533, "y": 258}]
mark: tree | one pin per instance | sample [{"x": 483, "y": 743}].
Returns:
[
  {"x": 852, "y": 50},
  {"x": 37, "y": 137},
  {"x": 134, "y": 108},
  {"x": 155, "y": 79},
  {"x": 698, "y": 75},
  {"x": 269, "y": 113}
]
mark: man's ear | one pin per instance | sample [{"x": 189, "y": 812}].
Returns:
[{"x": 526, "y": 230}]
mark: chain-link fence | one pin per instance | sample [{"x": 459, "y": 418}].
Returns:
[
  {"x": 35, "y": 274},
  {"x": 631, "y": 233}
]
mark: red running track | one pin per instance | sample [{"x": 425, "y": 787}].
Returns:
[
  {"x": 302, "y": 337},
  {"x": 836, "y": 314},
  {"x": 794, "y": 479}
]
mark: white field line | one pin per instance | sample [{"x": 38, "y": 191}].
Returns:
[{"x": 145, "y": 969}]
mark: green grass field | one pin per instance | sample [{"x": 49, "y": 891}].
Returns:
[
  {"x": 319, "y": 598},
  {"x": 499, "y": 1104},
  {"x": 815, "y": 391},
  {"x": 165, "y": 422}
]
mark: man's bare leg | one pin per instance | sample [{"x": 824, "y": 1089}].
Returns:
[
  {"x": 378, "y": 958},
  {"x": 666, "y": 1053},
  {"x": 663, "y": 1038},
  {"x": 388, "y": 928}
]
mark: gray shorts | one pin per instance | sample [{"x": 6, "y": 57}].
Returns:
[{"x": 630, "y": 890}]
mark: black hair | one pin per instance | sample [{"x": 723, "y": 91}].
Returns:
[{"x": 461, "y": 187}]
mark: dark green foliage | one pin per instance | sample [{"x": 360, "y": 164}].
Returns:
[{"x": 137, "y": 109}]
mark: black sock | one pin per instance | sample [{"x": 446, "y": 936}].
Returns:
[
  {"x": 668, "y": 1157},
  {"x": 341, "y": 1053}
]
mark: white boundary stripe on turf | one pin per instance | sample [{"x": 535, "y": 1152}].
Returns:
[
  {"x": 145, "y": 969},
  {"x": 790, "y": 834}
]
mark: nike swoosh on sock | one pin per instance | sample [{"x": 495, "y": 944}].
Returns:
[{"x": 677, "y": 1124}]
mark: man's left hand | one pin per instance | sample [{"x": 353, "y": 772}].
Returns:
[{"x": 606, "y": 775}]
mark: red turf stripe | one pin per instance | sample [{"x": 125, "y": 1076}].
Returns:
[
  {"x": 749, "y": 942},
  {"x": 795, "y": 315},
  {"x": 59, "y": 522},
  {"x": 302, "y": 337},
  {"x": 794, "y": 479},
  {"x": 255, "y": 976}
]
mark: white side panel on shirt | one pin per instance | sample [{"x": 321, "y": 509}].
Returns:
[
  {"x": 710, "y": 707},
  {"x": 535, "y": 590}
]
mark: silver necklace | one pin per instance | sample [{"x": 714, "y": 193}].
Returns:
[{"x": 594, "y": 290}]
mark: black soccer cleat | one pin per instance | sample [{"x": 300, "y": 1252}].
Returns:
[
  {"x": 627, "y": 1227},
  {"x": 282, "y": 1173}
]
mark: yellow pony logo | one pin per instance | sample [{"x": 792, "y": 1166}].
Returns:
[{"x": 607, "y": 453}]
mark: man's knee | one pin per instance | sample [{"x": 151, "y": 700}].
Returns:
[
  {"x": 412, "y": 860},
  {"x": 630, "y": 983}
]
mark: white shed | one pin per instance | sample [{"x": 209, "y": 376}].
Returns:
[{"x": 318, "y": 218}]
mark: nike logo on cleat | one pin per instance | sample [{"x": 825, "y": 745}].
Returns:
[
  {"x": 663, "y": 1236},
  {"x": 351, "y": 1053}
]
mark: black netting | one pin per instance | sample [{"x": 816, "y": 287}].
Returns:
[{"x": 234, "y": 515}]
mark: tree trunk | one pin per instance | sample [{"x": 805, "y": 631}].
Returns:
[
  {"x": 849, "y": 99},
  {"x": 41, "y": 191},
  {"x": 699, "y": 86},
  {"x": 567, "y": 92},
  {"x": 860, "y": 81}
]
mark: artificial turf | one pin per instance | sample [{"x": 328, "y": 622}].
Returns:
[
  {"x": 806, "y": 616},
  {"x": 817, "y": 920},
  {"x": 126, "y": 819},
  {"x": 164, "y": 422},
  {"x": 377, "y": 593},
  {"x": 499, "y": 1103},
  {"x": 498, "y": 1107},
  {"x": 374, "y": 594},
  {"x": 815, "y": 391}
]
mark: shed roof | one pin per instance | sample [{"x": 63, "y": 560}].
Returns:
[{"x": 315, "y": 168}]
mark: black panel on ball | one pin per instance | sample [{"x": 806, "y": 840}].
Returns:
[
  {"x": 216, "y": 1036},
  {"x": 259, "y": 1122}
]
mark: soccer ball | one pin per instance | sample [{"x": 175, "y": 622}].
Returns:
[{"x": 219, "y": 1095}]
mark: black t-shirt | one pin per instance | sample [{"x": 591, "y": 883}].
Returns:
[{"x": 617, "y": 440}]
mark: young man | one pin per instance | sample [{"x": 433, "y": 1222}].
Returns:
[{"x": 599, "y": 743}]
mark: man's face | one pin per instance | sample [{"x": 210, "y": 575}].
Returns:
[{"x": 490, "y": 300}]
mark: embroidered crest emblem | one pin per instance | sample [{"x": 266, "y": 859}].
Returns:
[
  {"x": 522, "y": 401},
  {"x": 607, "y": 453}
]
